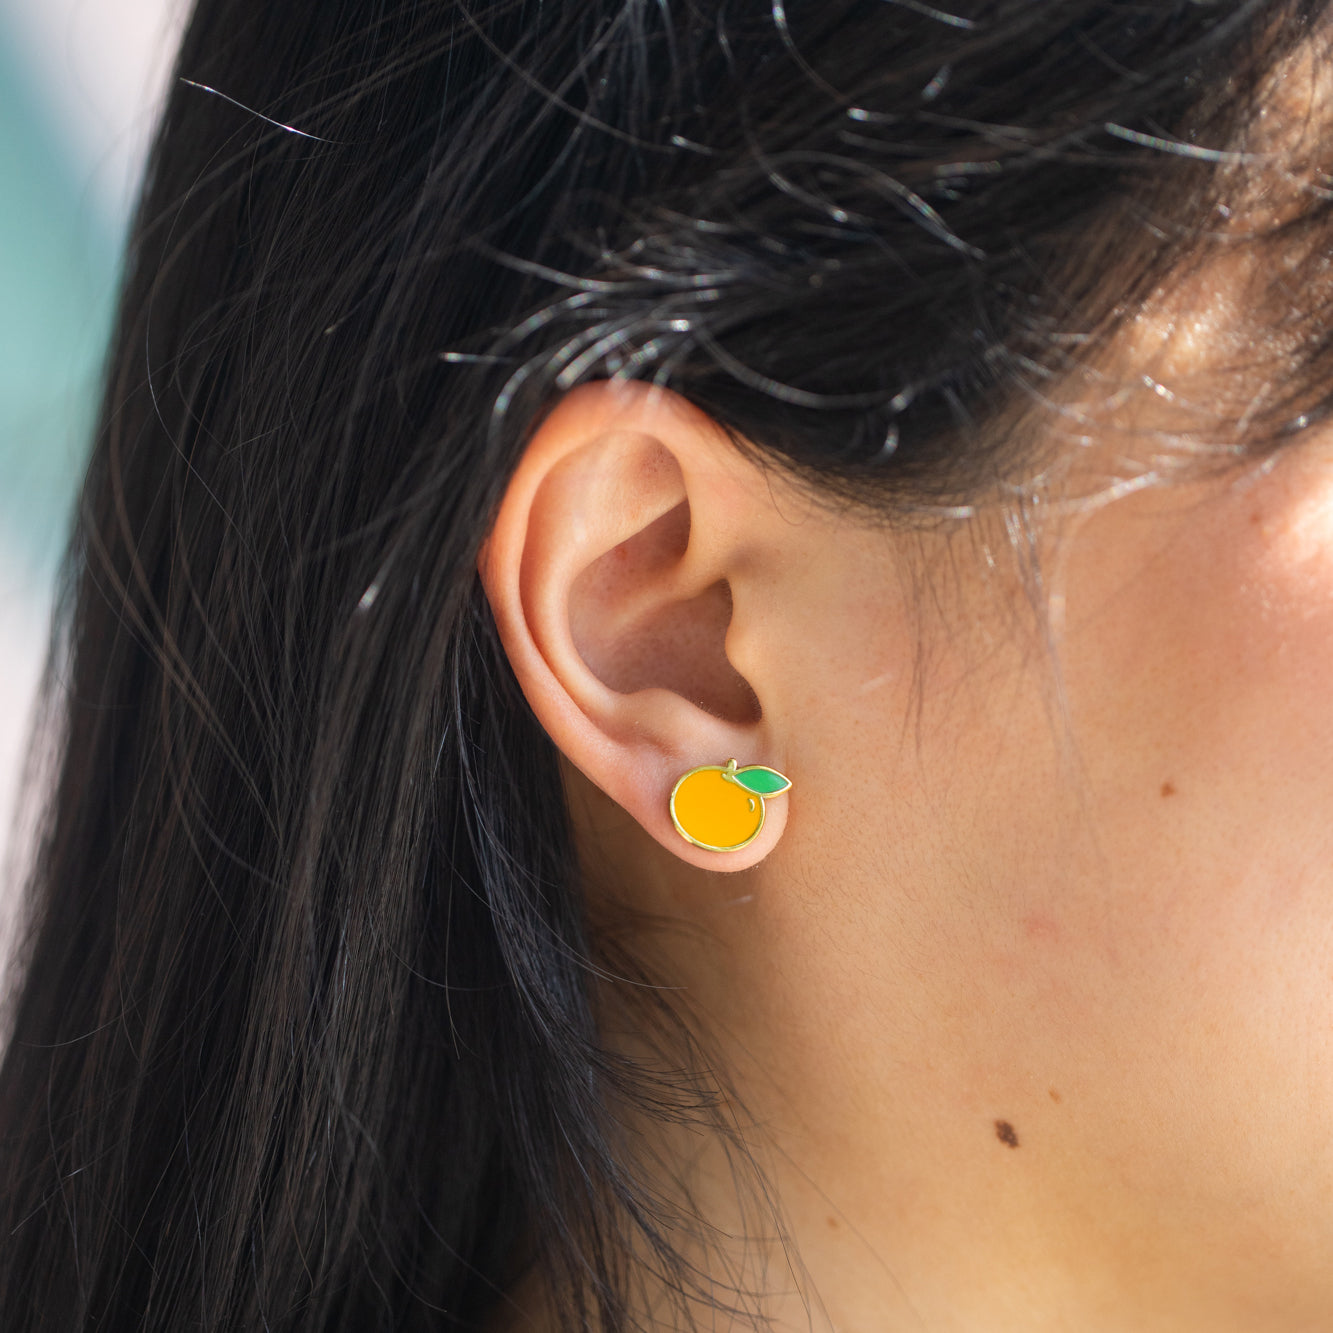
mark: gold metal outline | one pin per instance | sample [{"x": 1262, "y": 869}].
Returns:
[{"x": 728, "y": 771}]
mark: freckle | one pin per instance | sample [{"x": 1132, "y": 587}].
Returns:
[
  {"x": 1004, "y": 1131},
  {"x": 833, "y": 1223},
  {"x": 1256, "y": 518},
  {"x": 1168, "y": 789},
  {"x": 1055, "y": 1096}
]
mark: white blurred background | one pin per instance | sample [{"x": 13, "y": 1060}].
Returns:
[{"x": 79, "y": 84}]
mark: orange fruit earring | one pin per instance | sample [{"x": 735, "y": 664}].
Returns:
[{"x": 721, "y": 808}]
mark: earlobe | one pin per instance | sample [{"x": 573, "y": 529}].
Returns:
[{"x": 615, "y": 571}]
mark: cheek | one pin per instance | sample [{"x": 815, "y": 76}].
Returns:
[
  {"x": 1197, "y": 653},
  {"x": 1122, "y": 889},
  {"x": 1114, "y": 880}
]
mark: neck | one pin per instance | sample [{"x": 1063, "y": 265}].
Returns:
[{"x": 908, "y": 1161}]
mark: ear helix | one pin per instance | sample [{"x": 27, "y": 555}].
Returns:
[{"x": 721, "y": 807}]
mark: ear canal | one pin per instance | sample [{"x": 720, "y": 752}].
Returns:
[{"x": 635, "y": 631}]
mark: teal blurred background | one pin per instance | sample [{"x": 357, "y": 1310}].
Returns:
[{"x": 79, "y": 83}]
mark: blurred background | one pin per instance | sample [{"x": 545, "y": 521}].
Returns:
[{"x": 79, "y": 83}]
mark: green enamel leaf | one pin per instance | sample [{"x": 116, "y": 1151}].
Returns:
[{"x": 762, "y": 781}]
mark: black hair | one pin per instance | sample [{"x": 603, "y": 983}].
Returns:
[{"x": 304, "y": 1036}]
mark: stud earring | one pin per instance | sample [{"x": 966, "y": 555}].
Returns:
[{"x": 721, "y": 808}]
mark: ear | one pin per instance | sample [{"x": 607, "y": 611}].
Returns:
[{"x": 615, "y": 571}]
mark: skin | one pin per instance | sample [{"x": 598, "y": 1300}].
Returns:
[{"x": 1025, "y": 992}]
